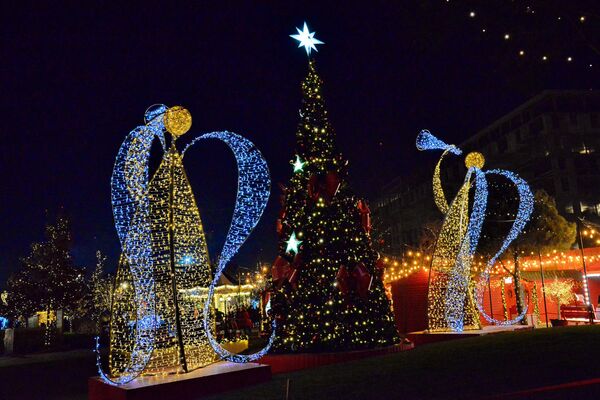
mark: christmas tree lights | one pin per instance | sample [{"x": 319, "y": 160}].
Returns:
[
  {"x": 451, "y": 301},
  {"x": 328, "y": 291}
]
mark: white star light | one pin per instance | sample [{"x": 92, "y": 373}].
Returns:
[
  {"x": 292, "y": 244},
  {"x": 306, "y": 39},
  {"x": 298, "y": 164}
]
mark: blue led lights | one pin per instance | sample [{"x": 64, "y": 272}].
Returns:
[
  {"x": 130, "y": 203},
  {"x": 254, "y": 186}
]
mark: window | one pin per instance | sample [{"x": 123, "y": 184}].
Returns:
[
  {"x": 564, "y": 184},
  {"x": 555, "y": 121},
  {"x": 573, "y": 119},
  {"x": 594, "y": 120},
  {"x": 536, "y": 127},
  {"x": 502, "y": 145},
  {"x": 569, "y": 208}
]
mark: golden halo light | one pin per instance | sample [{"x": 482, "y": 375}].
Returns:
[
  {"x": 475, "y": 159},
  {"x": 177, "y": 120}
]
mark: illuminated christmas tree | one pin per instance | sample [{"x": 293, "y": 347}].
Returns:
[{"x": 329, "y": 295}]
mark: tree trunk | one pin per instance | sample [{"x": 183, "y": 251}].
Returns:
[{"x": 47, "y": 330}]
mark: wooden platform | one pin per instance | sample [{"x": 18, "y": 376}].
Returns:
[
  {"x": 425, "y": 337},
  {"x": 281, "y": 363},
  {"x": 215, "y": 378}
]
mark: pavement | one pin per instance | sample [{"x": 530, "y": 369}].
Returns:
[
  {"x": 15, "y": 360},
  {"x": 47, "y": 376}
]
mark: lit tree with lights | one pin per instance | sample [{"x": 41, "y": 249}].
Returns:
[
  {"x": 99, "y": 293},
  {"x": 329, "y": 294},
  {"x": 48, "y": 280},
  {"x": 561, "y": 292}
]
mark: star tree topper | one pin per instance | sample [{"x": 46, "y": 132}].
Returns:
[{"x": 306, "y": 39}]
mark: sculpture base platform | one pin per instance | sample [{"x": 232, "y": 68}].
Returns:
[
  {"x": 281, "y": 363},
  {"x": 425, "y": 337},
  {"x": 212, "y": 379}
]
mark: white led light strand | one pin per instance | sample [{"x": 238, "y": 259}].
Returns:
[{"x": 523, "y": 214}]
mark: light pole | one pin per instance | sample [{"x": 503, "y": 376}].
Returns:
[
  {"x": 586, "y": 293},
  {"x": 543, "y": 287}
]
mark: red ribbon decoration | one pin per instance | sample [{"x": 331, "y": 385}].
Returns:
[
  {"x": 280, "y": 271},
  {"x": 283, "y": 270},
  {"x": 362, "y": 279},
  {"x": 343, "y": 280},
  {"x": 332, "y": 185},
  {"x": 325, "y": 186},
  {"x": 359, "y": 280},
  {"x": 380, "y": 265},
  {"x": 365, "y": 215}
]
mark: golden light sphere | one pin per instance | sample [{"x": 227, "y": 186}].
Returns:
[
  {"x": 177, "y": 120},
  {"x": 474, "y": 159}
]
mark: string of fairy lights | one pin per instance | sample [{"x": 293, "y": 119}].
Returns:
[
  {"x": 254, "y": 188},
  {"x": 449, "y": 302},
  {"x": 538, "y": 31},
  {"x": 525, "y": 208},
  {"x": 131, "y": 210},
  {"x": 411, "y": 262}
]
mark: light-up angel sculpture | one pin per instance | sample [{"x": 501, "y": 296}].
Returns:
[
  {"x": 155, "y": 326},
  {"x": 453, "y": 297}
]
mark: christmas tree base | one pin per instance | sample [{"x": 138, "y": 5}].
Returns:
[
  {"x": 281, "y": 363},
  {"x": 215, "y": 378},
  {"x": 425, "y": 337}
]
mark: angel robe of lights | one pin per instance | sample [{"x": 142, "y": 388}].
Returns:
[
  {"x": 450, "y": 303},
  {"x": 180, "y": 262}
]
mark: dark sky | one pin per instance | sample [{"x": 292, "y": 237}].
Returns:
[{"x": 74, "y": 82}]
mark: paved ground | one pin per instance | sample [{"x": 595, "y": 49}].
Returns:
[
  {"x": 561, "y": 362},
  {"x": 47, "y": 376}
]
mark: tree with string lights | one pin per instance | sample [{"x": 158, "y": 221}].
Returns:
[
  {"x": 98, "y": 297},
  {"x": 328, "y": 291},
  {"x": 48, "y": 279}
]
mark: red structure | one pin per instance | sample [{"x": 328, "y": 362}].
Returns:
[
  {"x": 409, "y": 294},
  {"x": 409, "y": 300},
  {"x": 282, "y": 363}
]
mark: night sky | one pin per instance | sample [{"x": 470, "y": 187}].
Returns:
[{"x": 74, "y": 82}]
